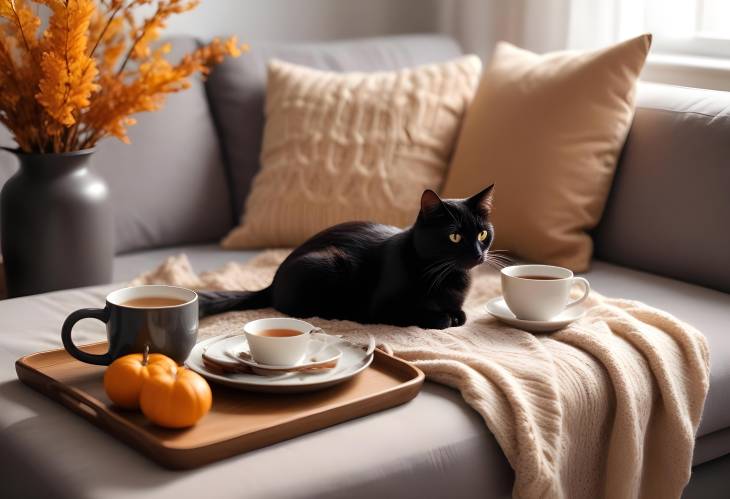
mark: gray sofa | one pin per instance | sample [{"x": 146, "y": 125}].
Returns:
[{"x": 181, "y": 186}]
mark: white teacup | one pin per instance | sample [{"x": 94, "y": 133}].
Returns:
[
  {"x": 540, "y": 292},
  {"x": 277, "y": 350}
]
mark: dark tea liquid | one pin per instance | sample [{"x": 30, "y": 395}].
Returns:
[
  {"x": 539, "y": 277},
  {"x": 153, "y": 302},
  {"x": 279, "y": 333}
]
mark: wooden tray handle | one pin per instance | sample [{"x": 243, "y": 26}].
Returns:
[{"x": 75, "y": 401}]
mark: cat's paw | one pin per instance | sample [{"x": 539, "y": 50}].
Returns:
[
  {"x": 458, "y": 318},
  {"x": 435, "y": 320}
]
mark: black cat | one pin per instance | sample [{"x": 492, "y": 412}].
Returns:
[{"x": 373, "y": 273}]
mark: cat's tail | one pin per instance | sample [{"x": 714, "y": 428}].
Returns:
[{"x": 217, "y": 302}]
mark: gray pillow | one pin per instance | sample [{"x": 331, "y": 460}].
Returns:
[
  {"x": 237, "y": 87},
  {"x": 669, "y": 209}
]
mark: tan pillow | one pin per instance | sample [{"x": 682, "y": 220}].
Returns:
[
  {"x": 351, "y": 146},
  {"x": 547, "y": 130}
]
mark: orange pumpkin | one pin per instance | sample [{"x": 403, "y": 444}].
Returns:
[
  {"x": 175, "y": 400},
  {"x": 124, "y": 378}
]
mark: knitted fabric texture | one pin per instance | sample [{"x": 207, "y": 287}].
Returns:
[
  {"x": 351, "y": 146},
  {"x": 607, "y": 407}
]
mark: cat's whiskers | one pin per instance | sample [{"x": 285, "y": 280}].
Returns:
[
  {"x": 435, "y": 272},
  {"x": 500, "y": 253},
  {"x": 506, "y": 261},
  {"x": 445, "y": 269},
  {"x": 497, "y": 251},
  {"x": 498, "y": 261},
  {"x": 498, "y": 266},
  {"x": 501, "y": 257},
  {"x": 434, "y": 268}
]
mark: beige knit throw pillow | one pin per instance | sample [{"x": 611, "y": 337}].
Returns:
[{"x": 351, "y": 146}]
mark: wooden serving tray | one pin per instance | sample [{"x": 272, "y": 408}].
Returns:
[{"x": 238, "y": 421}]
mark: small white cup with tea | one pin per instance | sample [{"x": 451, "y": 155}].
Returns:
[
  {"x": 278, "y": 341},
  {"x": 540, "y": 292}
]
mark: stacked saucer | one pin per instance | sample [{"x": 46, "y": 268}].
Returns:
[{"x": 328, "y": 360}]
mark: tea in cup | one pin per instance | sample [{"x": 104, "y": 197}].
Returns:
[
  {"x": 161, "y": 318},
  {"x": 278, "y": 341},
  {"x": 540, "y": 292}
]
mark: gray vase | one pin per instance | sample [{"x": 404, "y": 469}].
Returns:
[{"x": 56, "y": 225}]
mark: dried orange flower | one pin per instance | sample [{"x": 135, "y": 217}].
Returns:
[
  {"x": 92, "y": 67},
  {"x": 67, "y": 71}
]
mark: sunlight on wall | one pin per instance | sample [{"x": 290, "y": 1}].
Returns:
[{"x": 287, "y": 20}]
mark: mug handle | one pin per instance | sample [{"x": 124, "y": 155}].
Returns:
[
  {"x": 101, "y": 314},
  {"x": 586, "y": 287}
]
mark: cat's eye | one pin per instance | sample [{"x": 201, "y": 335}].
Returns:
[
  {"x": 482, "y": 235},
  {"x": 455, "y": 238}
]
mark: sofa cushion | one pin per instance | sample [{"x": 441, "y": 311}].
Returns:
[
  {"x": 705, "y": 309},
  {"x": 669, "y": 209},
  {"x": 237, "y": 87},
  {"x": 169, "y": 185},
  {"x": 434, "y": 446}
]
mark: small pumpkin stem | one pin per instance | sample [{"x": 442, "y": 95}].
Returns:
[{"x": 146, "y": 355}]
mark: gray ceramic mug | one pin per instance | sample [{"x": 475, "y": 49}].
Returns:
[{"x": 170, "y": 329}]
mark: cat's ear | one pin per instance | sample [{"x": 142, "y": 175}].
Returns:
[
  {"x": 482, "y": 200},
  {"x": 430, "y": 202}
]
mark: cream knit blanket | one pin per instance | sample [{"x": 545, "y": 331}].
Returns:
[{"x": 607, "y": 407}]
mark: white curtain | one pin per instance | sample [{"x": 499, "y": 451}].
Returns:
[
  {"x": 538, "y": 25},
  {"x": 541, "y": 25},
  {"x": 546, "y": 25},
  {"x": 595, "y": 24}
]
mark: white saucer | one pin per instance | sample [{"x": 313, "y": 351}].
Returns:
[
  {"x": 353, "y": 361},
  {"x": 498, "y": 308},
  {"x": 234, "y": 350}
]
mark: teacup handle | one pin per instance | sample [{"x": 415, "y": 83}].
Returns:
[
  {"x": 586, "y": 287},
  {"x": 101, "y": 314}
]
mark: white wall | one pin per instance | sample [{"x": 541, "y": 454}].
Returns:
[
  {"x": 538, "y": 25},
  {"x": 293, "y": 20},
  {"x": 476, "y": 24}
]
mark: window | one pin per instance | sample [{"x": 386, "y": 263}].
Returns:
[{"x": 683, "y": 27}]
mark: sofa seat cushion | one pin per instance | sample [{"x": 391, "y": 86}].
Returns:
[
  {"x": 237, "y": 87},
  {"x": 434, "y": 446},
  {"x": 706, "y": 309}
]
